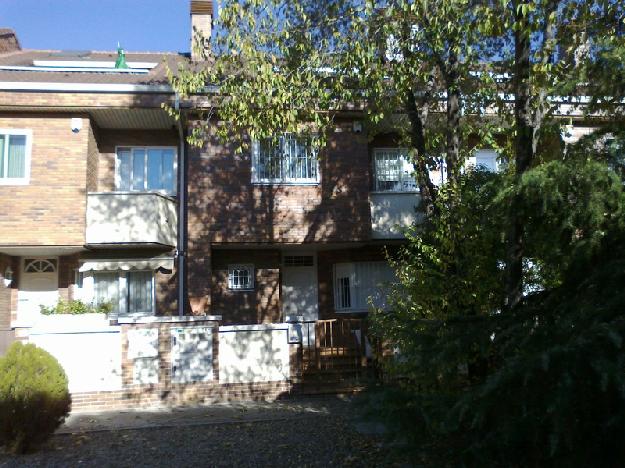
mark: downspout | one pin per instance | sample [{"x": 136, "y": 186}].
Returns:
[{"x": 181, "y": 250}]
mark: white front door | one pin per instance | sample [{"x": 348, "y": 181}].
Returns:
[
  {"x": 39, "y": 283},
  {"x": 299, "y": 286}
]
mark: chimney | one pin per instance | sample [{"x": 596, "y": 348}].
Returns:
[
  {"x": 201, "y": 27},
  {"x": 8, "y": 41}
]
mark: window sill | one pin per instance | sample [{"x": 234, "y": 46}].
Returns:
[
  {"x": 241, "y": 289},
  {"x": 309, "y": 184},
  {"x": 16, "y": 181},
  {"x": 394, "y": 192},
  {"x": 168, "y": 196}
]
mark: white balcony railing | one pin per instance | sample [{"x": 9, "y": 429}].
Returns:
[
  {"x": 131, "y": 218},
  {"x": 392, "y": 211}
]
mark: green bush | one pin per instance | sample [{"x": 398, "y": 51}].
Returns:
[
  {"x": 77, "y": 307},
  {"x": 34, "y": 399}
]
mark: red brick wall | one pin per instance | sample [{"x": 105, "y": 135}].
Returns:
[
  {"x": 225, "y": 207},
  {"x": 5, "y": 293},
  {"x": 262, "y": 305},
  {"x": 93, "y": 156},
  {"x": 55, "y": 196}
]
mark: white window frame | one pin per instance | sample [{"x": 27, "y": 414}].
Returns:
[
  {"x": 118, "y": 181},
  {"x": 27, "y": 157},
  {"x": 472, "y": 160},
  {"x": 350, "y": 271},
  {"x": 241, "y": 266},
  {"x": 256, "y": 179},
  {"x": 88, "y": 291},
  {"x": 409, "y": 179}
]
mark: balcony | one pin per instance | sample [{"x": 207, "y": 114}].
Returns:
[
  {"x": 392, "y": 211},
  {"x": 131, "y": 219}
]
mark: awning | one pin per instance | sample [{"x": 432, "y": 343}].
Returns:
[{"x": 166, "y": 263}]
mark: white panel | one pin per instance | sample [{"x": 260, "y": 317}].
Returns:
[
  {"x": 142, "y": 343},
  {"x": 390, "y": 212},
  {"x": 192, "y": 354},
  {"x": 130, "y": 218},
  {"x": 92, "y": 361},
  {"x": 253, "y": 356},
  {"x": 145, "y": 370}
]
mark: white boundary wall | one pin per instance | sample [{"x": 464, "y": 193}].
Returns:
[
  {"x": 253, "y": 353},
  {"x": 87, "y": 347}
]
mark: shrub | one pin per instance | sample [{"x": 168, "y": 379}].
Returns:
[
  {"x": 34, "y": 399},
  {"x": 77, "y": 307}
]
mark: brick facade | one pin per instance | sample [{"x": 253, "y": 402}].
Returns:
[
  {"x": 261, "y": 305},
  {"x": 225, "y": 207},
  {"x": 55, "y": 195}
]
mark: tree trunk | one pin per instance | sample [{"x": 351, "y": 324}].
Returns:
[
  {"x": 523, "y": 154},
  {"x": 452, "y": 156},
  {"x": 417, "y": 140}
]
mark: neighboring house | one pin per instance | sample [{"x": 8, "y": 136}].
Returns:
[{"x": 89, "y": 179}]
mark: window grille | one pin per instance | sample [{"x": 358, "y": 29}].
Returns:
[
  {"x": 287, "y": 159},
  {"x": 393, "y": 171},
  {"x": 298, "y": 260},
  {"x": 39, "y": 265},
  {"x": 241, "y": 277}
]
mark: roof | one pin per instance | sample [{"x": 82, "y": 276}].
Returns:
[{"x": 25, "y": 58}]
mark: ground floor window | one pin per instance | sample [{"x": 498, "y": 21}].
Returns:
[
  {"x": 241, "y": 277},
  {"x": 356, "y": 283},
  {"x": 128, "y": 292}
]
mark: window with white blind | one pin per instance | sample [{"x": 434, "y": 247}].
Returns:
[
  {"x": 355, "y": 283},
  {"x": 484, "y": 159},
  {"x": 146, "y": 169},
  {"x": 15, "y": 149},
  {"x": 392, "y": 171},
  {"x": 287, "y": 159},
  {"x": 129, "y": 292}
]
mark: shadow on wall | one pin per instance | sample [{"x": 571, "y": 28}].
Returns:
[{"x": 226, "y": 208}]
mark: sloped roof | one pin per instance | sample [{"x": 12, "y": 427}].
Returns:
[{"x": 25, "y": 58}]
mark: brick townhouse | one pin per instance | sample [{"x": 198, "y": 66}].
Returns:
[
  {"x": 90, "y": 182},
  {"x": 207, "y": 259}
]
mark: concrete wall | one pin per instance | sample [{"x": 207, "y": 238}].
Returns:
[
  {"x": 392, "y": 211},
  {"x": 86, "y": 346},
  {"x": 131, "y": 218}
]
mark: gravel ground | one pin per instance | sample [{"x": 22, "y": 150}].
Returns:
[{"x": 296, "y": 438}]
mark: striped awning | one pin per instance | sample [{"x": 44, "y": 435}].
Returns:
[{"x": 166, "y": 263}]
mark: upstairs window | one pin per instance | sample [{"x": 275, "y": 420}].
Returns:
[
  {"x": 288, "y": 159},
  {"x": 484, "y": 159},
  {"x": 146, "y": 169},
  {"x": 392, "y": 171},
  {"x": 14, "y": 156}
]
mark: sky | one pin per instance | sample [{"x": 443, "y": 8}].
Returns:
[{"x": 139, "y": 25}]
